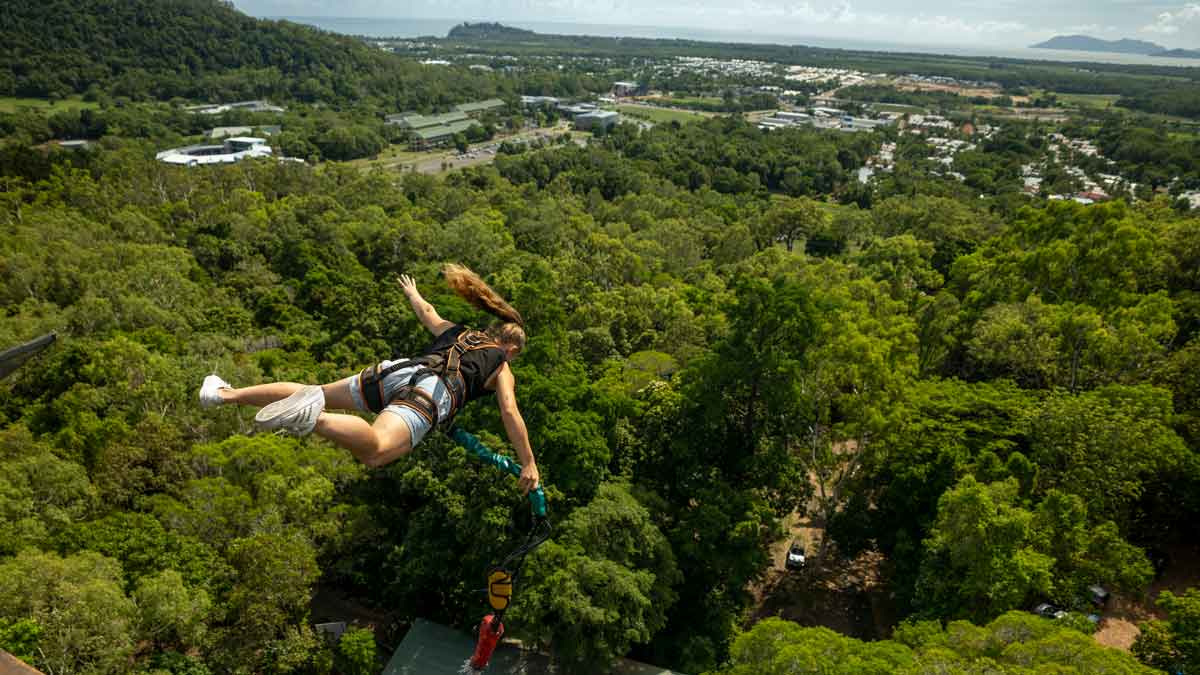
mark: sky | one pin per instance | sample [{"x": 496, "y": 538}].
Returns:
[{"x": 1013, "y": 23}]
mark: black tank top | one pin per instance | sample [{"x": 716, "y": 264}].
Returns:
[{"x": 477, "y": 366}]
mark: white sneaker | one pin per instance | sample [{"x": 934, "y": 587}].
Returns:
[
  {"x": 210, "y": 395},
  {"x": 296, "y": 414}
]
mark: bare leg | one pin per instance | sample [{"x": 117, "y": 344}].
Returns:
[
  {"x": 337, "y": 394},
  {"x": 375, "y": 445},
  {"x": 260, "y": 394}
]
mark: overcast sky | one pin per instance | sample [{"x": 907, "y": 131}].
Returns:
[{"x": 965, "y": 22}]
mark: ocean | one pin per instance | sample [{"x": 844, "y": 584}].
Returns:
[{"x": 410, "y": 28}]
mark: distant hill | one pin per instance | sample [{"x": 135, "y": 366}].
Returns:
[
  {"x": 1179, "y": 53},
  {"x": 164, "y": 48},
  {"x": 1091, "y": 44},
  {"x": 483, "y": 31}
]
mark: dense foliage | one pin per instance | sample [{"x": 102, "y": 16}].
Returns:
[
  {"x": 993, "y": 393},
  {"x": 1014, "y": 643},
  {"x": 940, "y": 374},
  {"x": 206, "y": 50}
]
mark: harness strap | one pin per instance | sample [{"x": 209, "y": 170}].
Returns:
[
  {"x": 417, "y": 400},
  {"x": 370, "y": 383},
  {"x": 448, "y": 368}
]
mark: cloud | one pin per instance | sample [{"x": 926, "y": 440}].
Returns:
[
  {"x": 955, "y": 26},
  {"x": 1169, "y": 23},
  {"x": 1090, "y": 28}
]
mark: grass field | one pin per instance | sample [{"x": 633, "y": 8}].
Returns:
[
  {"x": 1089, "y": 100},
  {"x": 684, "y": 100},
  {"x": 397, "y": 154},
  {"x": 896, "y": 107},
  {"x": 9, "y": 104},
  {"x": 658, "y": 115}
]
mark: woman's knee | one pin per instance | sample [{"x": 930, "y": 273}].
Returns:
[
  {"x": 339, "y": 396},
  {"x": 387, "y": 448}
]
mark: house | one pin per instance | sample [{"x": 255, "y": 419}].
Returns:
[
  {"x": 234, "y": 149},
  {"x": 603, "y": 119}
]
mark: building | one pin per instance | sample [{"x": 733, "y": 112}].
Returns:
[
  {"x": 437, "y": 136},
  {"x": 572, "y": 110},
  {"x": 477, "y": 109},
  {"x": 603, "y": 119},
  {"x": 217, "y": 133},
  {"x": 539, "y": 101},
  {"x": 232, "y": 150},
  {"x": 432, "y": 649},
  {"x": 431, "y": 131},
  {"x": 412, "y": 120},
  {"x": 248, "y": 106},
  {"x": 624, "y": 88}
]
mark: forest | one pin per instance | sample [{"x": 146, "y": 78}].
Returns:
[
  {"x": 993, "y": 394},
  {"x": 940, "y": 370}
]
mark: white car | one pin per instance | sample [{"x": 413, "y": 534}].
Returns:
[{"x": 795, "y": 557}]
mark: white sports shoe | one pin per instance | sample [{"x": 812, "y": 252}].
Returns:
[
  {"x": 296, "y": 414},
  {"x": 210, "y": 396}
]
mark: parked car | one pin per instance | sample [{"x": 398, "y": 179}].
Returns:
[
  {"x": 795, "y": 557},
  {"x": 1099, "y": 595},
  {"x": 1049, "y": 611}
]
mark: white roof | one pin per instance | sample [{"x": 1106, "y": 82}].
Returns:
[{"x": 195, "y": 155}]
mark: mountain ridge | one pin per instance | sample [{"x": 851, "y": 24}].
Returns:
[{"x": 1091, "y": 44}]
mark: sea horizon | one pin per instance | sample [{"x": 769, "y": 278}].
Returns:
[{"x": 402, "y": 27}]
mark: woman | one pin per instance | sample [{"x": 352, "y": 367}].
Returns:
[{"x": 411, "y": 396}]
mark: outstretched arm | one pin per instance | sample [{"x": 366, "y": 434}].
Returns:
[
  {"x": 514, "y": 426},
  {"x": 425, "y": 311}
]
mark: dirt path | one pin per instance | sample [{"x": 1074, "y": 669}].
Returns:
[
  {"x": 847, "y": 596},
  {"x": 1118, "y": 627}
]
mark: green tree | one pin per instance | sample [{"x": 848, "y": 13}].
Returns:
[
  {"x": 356, "y": 652},
  {"x": 604, "y": 583},
  {"x": 978, "y": 559},
  {"x": 86, "y": 622},
  {"x": 169, "y": 613},
  {"x": 20, "y": 638},
  {"x": 1174, "y": 644}
]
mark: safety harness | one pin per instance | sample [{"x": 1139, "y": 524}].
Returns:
[{"x": 444, "y": 363}]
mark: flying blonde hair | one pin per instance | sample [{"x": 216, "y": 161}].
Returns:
[{"x": 467, "y": 284}]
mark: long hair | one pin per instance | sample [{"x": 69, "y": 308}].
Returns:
[{"x": 468, "y": 285}]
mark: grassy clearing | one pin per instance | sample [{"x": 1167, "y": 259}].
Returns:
[
  {"x": 10, "y": 104},
  {"x": 658, "y": 115},
  {"x": 396, "y": 154},
  {"x": 684, "y": 100},
  {"x": 1089, "y": 100},
  {"x": 896, "y": 107}
]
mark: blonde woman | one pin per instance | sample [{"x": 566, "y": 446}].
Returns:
[{"x": 410, "y": 396}]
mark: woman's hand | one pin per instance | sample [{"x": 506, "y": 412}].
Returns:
[
  {"x": 529, "y": 478},
  {"x": 408, "y": 286}
]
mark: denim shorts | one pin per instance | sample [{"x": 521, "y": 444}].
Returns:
[{"x": 433, "y": 385}]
